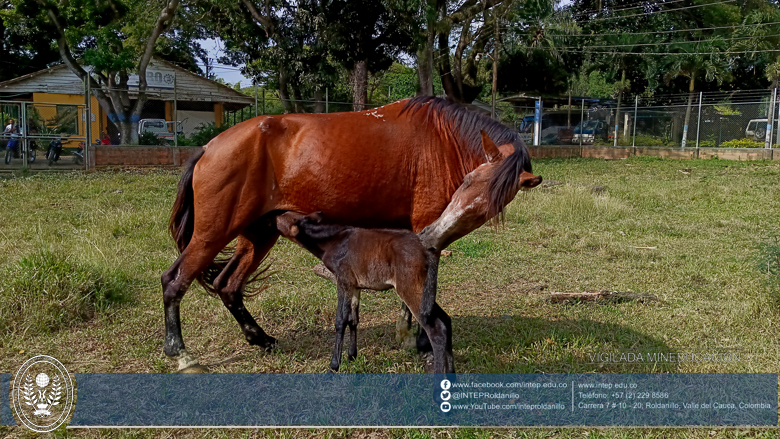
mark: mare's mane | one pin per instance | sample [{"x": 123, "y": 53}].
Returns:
[{"x": 461, "y": 127}]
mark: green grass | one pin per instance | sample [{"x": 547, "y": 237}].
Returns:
[{"x": 98, "y": 243}]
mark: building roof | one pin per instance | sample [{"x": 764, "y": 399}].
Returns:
[{"x": 161, "y": 77}]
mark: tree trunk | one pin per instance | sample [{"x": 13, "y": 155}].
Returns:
[
  {"x": 319, "y": 101},
  {"x": 128, "y": 132},
  {"x": 445, "y": 70},
  {"x": 617, "y": 111},
  {"x": 425, "y": 64},
  {"x": 688, "y": 111},
  {"x": 358, "y": 78},
  {"x": 286, "y": 102},
  {"x": 297, "y": 98}
]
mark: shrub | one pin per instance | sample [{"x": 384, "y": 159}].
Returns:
[
  {"x": 707, "y": 144},
  {"x": 652, "y": 141},
  {"x": 206, "y": 133},
  {"x": 148, "y": 138},
  {"x": 742, "y": 143},
  {"x": 49, "y": 291}
]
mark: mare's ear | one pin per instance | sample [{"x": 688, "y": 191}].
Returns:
[{"x": 491, "y": 150}]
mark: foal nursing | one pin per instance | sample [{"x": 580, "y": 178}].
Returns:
[{"x": 375, "y": 259}]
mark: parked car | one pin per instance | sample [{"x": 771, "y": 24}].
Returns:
[
  {"x": 756, "y": 129},
  {"x": 161, "y": 128},
  {"x": 589, "y": 130}
]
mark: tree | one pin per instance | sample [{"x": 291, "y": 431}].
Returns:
[
  {"x": 24, "y": 46},
  {"x": 363, "y": 36},
  {"x": 432, "y": 23},
  {"x": 104, "y": 42}
]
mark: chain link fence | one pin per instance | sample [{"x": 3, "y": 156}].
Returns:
[
  {"x": 729, "y": 119},
  {"x": 40, "y": 135}
]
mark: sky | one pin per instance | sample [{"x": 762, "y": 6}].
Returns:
[{"x": 230, "y": 74}]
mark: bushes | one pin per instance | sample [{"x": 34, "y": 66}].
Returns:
[
  {"x": 206, "y": 133},
  {"x": 49, "y": 291},
  {"x": 742, "y": 143}
]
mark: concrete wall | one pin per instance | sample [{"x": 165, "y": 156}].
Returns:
[{"x": 108, "y": 155}]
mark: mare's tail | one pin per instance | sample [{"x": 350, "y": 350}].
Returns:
[
  {"x": 182, "y": 223},
  {"x": 182, "y": 220}
]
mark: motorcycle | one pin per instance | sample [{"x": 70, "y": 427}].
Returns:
[
  {"x": 54, "y": 151},
  {"x": 78, "y": 155},
  {"x": 12, "y": 150}
]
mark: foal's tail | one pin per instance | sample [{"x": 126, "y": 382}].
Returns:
[{"x": 182, "y": 220}]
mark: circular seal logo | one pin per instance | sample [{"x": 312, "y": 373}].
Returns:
[{"x": 42, "y": 394}]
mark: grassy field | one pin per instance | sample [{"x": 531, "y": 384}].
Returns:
[{"x": 81, "y": 256}]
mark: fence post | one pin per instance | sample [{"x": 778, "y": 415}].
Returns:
[
  {"x": 22, "y": 147},
  {"x": 538, "y": 122},
  {"x": 255, "y": 98},
  {"x": 87, "y": 123},
  {"x": 263, "y": 100},
  {"x": 326, "y": 100},
  {"x": 582, "y": 120},
  {"x": 770, "y": 120},
  {"x": 175, "y": 114},
  {"x": 778, "y": 113},
  {"x": 698, "y": 121},
  {"x": 636, "y": 107}
]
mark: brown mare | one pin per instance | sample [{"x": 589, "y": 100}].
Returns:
[
  {"x": 396, "y": 166},
  {"x": 375, "y": 259}
]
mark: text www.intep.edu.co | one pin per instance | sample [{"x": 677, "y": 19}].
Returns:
[{"x": 515, "y": 385}]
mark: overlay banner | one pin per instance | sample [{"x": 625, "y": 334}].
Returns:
[{"x": 423, "y": 399}]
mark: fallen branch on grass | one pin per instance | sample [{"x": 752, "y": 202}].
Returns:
[{"x": 603, "y": 295}]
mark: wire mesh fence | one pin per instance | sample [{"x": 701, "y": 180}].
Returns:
[
  {"x": 715, "y": 119},
  {"x": 41, "y": 134},
  {"x": 184, "y": 115}
]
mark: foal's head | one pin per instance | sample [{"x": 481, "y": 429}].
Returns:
[{"x": 483, "y": 194}]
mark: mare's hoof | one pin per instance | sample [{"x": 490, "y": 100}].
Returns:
[
  {"x": 267, "y": 342},
  {"x": 195, "y": 368}
]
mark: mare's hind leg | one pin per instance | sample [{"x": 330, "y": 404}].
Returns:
[
  {"x": 252, "y": 247},
  {"x": 175, "y": 281}
]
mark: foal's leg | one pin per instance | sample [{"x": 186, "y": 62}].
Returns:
[
  {"x": 252, "y": 247},
  {"x": 354, "y": 306},
  {"x": 403, "y": 328},
  {"x": 343, "y": 315}
]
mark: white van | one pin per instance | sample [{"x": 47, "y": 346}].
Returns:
[
  {"x": 160, "y": 127},
  {"x": 756, "y": 129}
]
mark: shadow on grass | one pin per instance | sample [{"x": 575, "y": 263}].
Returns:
[{"x": 505, "y": 344}]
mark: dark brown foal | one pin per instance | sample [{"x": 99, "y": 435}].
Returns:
[{"x": 375, "y": 259}]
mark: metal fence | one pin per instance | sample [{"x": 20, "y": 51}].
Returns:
[
  {"x": 715, "y": 119},
  {"x": 41, "y": 135}
]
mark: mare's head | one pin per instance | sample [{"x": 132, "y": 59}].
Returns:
[{"x": 483, "y": 195}]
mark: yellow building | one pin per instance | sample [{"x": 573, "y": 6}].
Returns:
[{"x": 55, "y": 101}]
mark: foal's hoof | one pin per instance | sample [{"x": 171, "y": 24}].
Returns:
[
  {"x": 195, "y": 368},
  {"x": 427, "y": 358}
]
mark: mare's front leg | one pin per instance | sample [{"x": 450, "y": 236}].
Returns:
[
  {"x": 428, "y": 299},
  {"x": 343, "y": 315}
]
